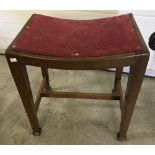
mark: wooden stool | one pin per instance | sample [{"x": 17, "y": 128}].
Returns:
[{"x": 48, "y": 42}]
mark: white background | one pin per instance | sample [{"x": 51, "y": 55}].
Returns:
[{"x": 77, "y": 5}]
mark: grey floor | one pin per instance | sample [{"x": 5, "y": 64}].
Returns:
[{"x": 74, "y": 121}]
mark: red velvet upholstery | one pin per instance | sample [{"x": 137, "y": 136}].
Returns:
[{"x": 78, "y": 38}]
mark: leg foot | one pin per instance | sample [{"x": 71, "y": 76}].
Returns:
[
  {"x": 37, "y": 133},
  {"x": 120, "y": 138}
]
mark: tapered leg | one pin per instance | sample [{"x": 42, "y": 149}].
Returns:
[
  {"x": 118, "y": 76},
  {"x": 19, "y": 73},
  {"x": 133, "y": 87},
  {"x": 46, "y": 75}
]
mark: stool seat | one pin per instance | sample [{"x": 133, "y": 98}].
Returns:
[{"x": 77, "y": 38}]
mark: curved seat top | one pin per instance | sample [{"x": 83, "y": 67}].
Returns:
[{"x": 56, "y": 37}]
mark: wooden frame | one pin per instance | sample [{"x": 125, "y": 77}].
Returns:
[{"x": 136, "y": 60}]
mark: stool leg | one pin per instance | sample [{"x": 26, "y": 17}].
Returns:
[
  {"x": 46, "y": 75},
  {"x": 133, "y": 87},
  {"x": 118, "y": 76},
  {"x": 19, "y": 73}
]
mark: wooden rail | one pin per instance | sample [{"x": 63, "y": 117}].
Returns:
[
  {"x": 79, "y": 95},
  {"x": 49, "y": 93}
]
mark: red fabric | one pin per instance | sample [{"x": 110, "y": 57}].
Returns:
[{"x": 78, "y": 38}]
